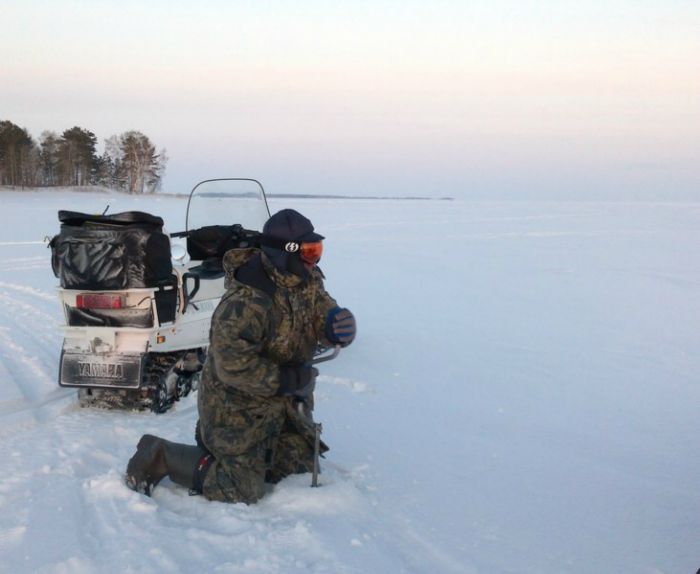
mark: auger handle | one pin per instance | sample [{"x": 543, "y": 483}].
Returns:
[{"x": 330, "y": 357}]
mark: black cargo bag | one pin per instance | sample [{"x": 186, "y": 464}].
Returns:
[
  {"x": 212, "y": 241},
  {"x": 109, "y": 252}
]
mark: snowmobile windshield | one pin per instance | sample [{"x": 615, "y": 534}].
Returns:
[{"x": 227, "y": 202}]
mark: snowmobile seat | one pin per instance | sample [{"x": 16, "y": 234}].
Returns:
[{"x": 212, "y": 268}]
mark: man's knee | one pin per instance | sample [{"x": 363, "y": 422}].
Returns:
[
  {"x": 237, "y": 482},
  {"x": 294, "y": 455}
]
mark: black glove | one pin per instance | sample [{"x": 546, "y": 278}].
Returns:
[
  {"x": 297, "y": 380},
  {"x": 340, "y": 326}
]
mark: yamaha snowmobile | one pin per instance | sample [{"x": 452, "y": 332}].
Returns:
[{"x": 138, "y": 303}]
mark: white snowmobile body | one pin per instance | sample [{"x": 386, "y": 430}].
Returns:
[{"x": 144, "y": 346}]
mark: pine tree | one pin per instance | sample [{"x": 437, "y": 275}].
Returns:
[
  {"x": 78, "y": 158},
  {"x": 17, "y": 160},
  {"x": 49, "y": 158},
  {"x": 106, "y": 172}
]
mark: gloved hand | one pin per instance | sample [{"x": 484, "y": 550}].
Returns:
[
  {"x": 340, "y": 326},
  {"x": 297, "y": 380}
]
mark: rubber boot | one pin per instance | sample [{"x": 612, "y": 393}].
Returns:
[
  {"x": 187, "y": 464},
  {"x": 156, "y": 458}
]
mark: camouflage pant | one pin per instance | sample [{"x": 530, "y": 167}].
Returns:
[{"x": 253, "y": 443}]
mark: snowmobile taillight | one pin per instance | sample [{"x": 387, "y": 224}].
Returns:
[
  {"x": 311, "y": 252},
  {"x": 98, "y": 301}
]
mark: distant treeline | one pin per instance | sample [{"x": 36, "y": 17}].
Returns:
[{"x": 129, "y": 162}]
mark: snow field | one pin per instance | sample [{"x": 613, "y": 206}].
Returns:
[{"x": 522, "y": 397}]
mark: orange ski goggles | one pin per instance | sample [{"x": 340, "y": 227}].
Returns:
[{"x": 311, "y": 252}]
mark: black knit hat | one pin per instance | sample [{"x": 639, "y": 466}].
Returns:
[
  {"x": 290, "y": 225},
  {"x": 281, "y": 238}
]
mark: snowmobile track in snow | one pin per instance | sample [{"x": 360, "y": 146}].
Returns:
[{"x": 28, "y": 315}]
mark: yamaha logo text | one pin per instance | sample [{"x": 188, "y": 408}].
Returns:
[{"x": 101, "y": 370}]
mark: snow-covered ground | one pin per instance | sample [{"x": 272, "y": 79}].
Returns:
[{"x": 523, "y": 397}]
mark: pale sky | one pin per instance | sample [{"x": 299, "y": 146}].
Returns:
[{"x": 486, "y": 99}]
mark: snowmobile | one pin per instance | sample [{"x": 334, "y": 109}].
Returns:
[{"x": 138, "y": 303}]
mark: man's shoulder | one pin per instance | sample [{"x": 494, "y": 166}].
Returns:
[
  {"x": 241, "y": 296},
  {"x": 253, "y": 275}
]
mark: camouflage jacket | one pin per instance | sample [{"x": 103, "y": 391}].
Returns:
[{"x": 254, "y": 330}]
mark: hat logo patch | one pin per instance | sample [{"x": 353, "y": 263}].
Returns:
[{"x": 291, "y": 247}]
